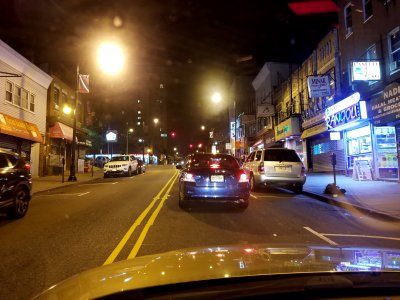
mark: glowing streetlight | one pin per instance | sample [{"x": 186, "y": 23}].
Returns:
[
  {"x": 216, "y": 98},
  {"x": 67, "y": 109},
  {"x": 130, "y": 130},
  {"x": 156, "y": 120},
  {"x": 175, "y": 149},
  {"x": 111, "y": 58},
  {"x": 203, "y": 127}
]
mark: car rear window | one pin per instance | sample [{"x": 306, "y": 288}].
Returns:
[
  {"x": 281, "y": 155},
  {"x": 214, "y": 161}
]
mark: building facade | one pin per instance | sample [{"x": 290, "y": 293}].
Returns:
[{"x": 23, "y": 87}]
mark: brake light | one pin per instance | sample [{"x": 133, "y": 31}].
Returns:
[
  {"x": 188, "y": 177},
  {"x": 243, "y": 178},
  {"x": 214, "y": 166},
  {"x": 303, "y": 171},
  {"x": 261, "y": 167},
  {"x": 27, "y": 167}
]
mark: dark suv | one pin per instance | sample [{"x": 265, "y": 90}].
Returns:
[{"x": 15, "y": 184}]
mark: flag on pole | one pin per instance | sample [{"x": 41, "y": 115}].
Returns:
[{"x": 83, "y": 87}]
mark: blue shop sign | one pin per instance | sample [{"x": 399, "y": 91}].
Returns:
[{"x": 344, "y": 112}]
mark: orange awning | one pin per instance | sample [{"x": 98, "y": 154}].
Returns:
[
  {"x": 19, "y": 128},
  {"x": 61, "y": 131}
]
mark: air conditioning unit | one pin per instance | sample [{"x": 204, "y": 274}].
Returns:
[{"x": 393, "y": 66}]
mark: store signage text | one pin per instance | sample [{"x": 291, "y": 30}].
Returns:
[
  {"x": 345, "y": 116},
  {"x": 285, "y": 129},
  {"x": 232, "y": 130},
  {"x": 386, "y": 108},
  {"x": 318, "y": 86},
  {"x": 365, "y": 70}
]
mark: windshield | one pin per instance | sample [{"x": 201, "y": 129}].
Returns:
[{"x": 196, "y": 139}]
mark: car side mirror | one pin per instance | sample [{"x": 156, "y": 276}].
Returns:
[{"x": 179, "y": 167}]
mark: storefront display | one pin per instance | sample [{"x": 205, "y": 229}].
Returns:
[
  {"x": 359, "y": 145},
  {"x": 386, "y": 152}
]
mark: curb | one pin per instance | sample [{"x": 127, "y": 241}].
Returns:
[
  {"x": 63, "y": 186},
  {"x": 351, "y": 207}
]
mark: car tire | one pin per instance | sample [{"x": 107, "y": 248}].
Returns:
[
  {"x": 137, "y": 171},
  {"x": 298, "y": 189},
  {"x": 253, "y": 185},
  {"x": 183, "y": 204},
  {"x": 105, "y": 176},
  {"x": 129, "y": 174},
  {"x": 21, "y": 203}
]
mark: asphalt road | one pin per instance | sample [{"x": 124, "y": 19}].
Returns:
[{"x": 75, "y": 228}]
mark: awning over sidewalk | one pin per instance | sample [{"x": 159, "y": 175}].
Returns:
[
  {"x": 314, "y": 130},
  {"x": 61, "y": 131},
  {"x": 19, "y": 128}
]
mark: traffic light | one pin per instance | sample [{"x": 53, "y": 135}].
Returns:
[
  {"x": 191, "y": 146},
  {"x": 173, "y": 134}
]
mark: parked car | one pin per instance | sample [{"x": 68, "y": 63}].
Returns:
[
  {"x": 212, "y": 177},
  {"x": 141, "y": 166},
  {"x": 100, "y": 161},
  {"x": 15, "y": 183},
  {"x": 121, "y": 165},
  {"x": 275, "y": 167}
]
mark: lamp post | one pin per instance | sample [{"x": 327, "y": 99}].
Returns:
[
  {"x": 130, "y": 130},
  {"x": 72, "y": 176}
]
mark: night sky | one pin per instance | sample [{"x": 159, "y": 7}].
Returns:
[{"x": 191, "y": 47}]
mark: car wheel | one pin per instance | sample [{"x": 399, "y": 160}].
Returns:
[
  {"x": 182, "y": 201},
  {"x": 298, "y": 189},
  {"x": 253, "y": 185},
  {"x": 137, "y": 172},
  {"x": 21, "y": 203},
  {"x": 105, "y": 175},
  {"x": 129, "y": 172}
]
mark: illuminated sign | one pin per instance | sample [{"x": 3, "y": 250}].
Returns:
[
  {"x": 386, "y": 108},
  {"x": 112, "y": 136},
  {"x": 365, "y": 70},
  {"x": 287, "y": 128},
  {"x": 318, "y": 86},
  {"x": 232, "y": 130},
  {"x": 335, "y": 135},
  {"x": 346, "y": 111}
]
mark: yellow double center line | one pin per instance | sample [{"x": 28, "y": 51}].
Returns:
[{"x": 138, "y": 221}]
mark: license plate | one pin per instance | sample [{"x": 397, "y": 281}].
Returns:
[
  {"x": 217, "y": 178},
  {"x": 283, "y": 169}
]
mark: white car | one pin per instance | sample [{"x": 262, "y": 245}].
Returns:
[{"x": 121, "y": 165}]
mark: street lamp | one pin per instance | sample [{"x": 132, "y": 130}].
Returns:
[
  {"x": 203, "y": 127},
  {"x": 156, "y": 120},
  {"x": 216, "y": 98},
  {"x": 130, "y": 130}
]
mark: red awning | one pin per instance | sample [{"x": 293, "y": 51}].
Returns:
[
  {"x": 61, "y": 131},
  {"x": 19, "y": 128}
]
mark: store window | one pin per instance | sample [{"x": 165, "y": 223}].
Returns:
[
  {"x": 386, "y": 152},
  {"x": 358, "y": 145}
]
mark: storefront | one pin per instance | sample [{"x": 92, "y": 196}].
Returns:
[
  {"x": 59, "y": 148},
  {"x": 347, "y": 122},
  {"x": 384, "y": 111},
  {"x": 318, "y": 146},
  {"x": 18, "y": 136},
  {"x": 288, "y": 133}
]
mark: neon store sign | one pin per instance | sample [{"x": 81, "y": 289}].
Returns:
[{"x": 346, "y": 111}]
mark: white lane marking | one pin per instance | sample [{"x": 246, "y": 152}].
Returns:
[
  {"x": 363, "y": 236},
  {"x": 101, "y": 183},
  {"x": 255, "y": 197},
  {"x": 321, "y": 236},
  {"x": 82, "y": 194}
]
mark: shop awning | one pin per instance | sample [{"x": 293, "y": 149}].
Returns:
[
  {"x": 19, "y": 128},
  {"x": 82, "y": 140},
  {"x": 61, "y": 131},
  {"x": 314, "y": 130}
]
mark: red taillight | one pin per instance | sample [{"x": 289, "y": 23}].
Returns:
[
  {"x": 243, "y": 178},
  {"x": 303, "y": 171},
  {"x": 261, "y": 167},
  {"x": 27, "y": 167},
  {"x": 189, "y": 177},
  {"x": 214, "y": 166}
]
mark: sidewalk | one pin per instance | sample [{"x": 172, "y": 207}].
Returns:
[
  {"x": 40, "y": 184},
  {"x": 380, "y": 198}
]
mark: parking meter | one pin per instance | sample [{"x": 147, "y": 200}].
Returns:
[{"x": 333, "y": 159}]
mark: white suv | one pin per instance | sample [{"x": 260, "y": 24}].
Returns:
[
  {"x": 121, "y": 165},
  {"x": 275, "y": 166}
]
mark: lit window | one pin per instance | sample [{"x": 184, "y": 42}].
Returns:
[
  {"x": 348, "y": 21},
  {"x": 32, "y": 103},
  {"x": 9, "y": 91},
  {"x": 394, "y": 50},
  {"x": 56, "y": 98}
]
